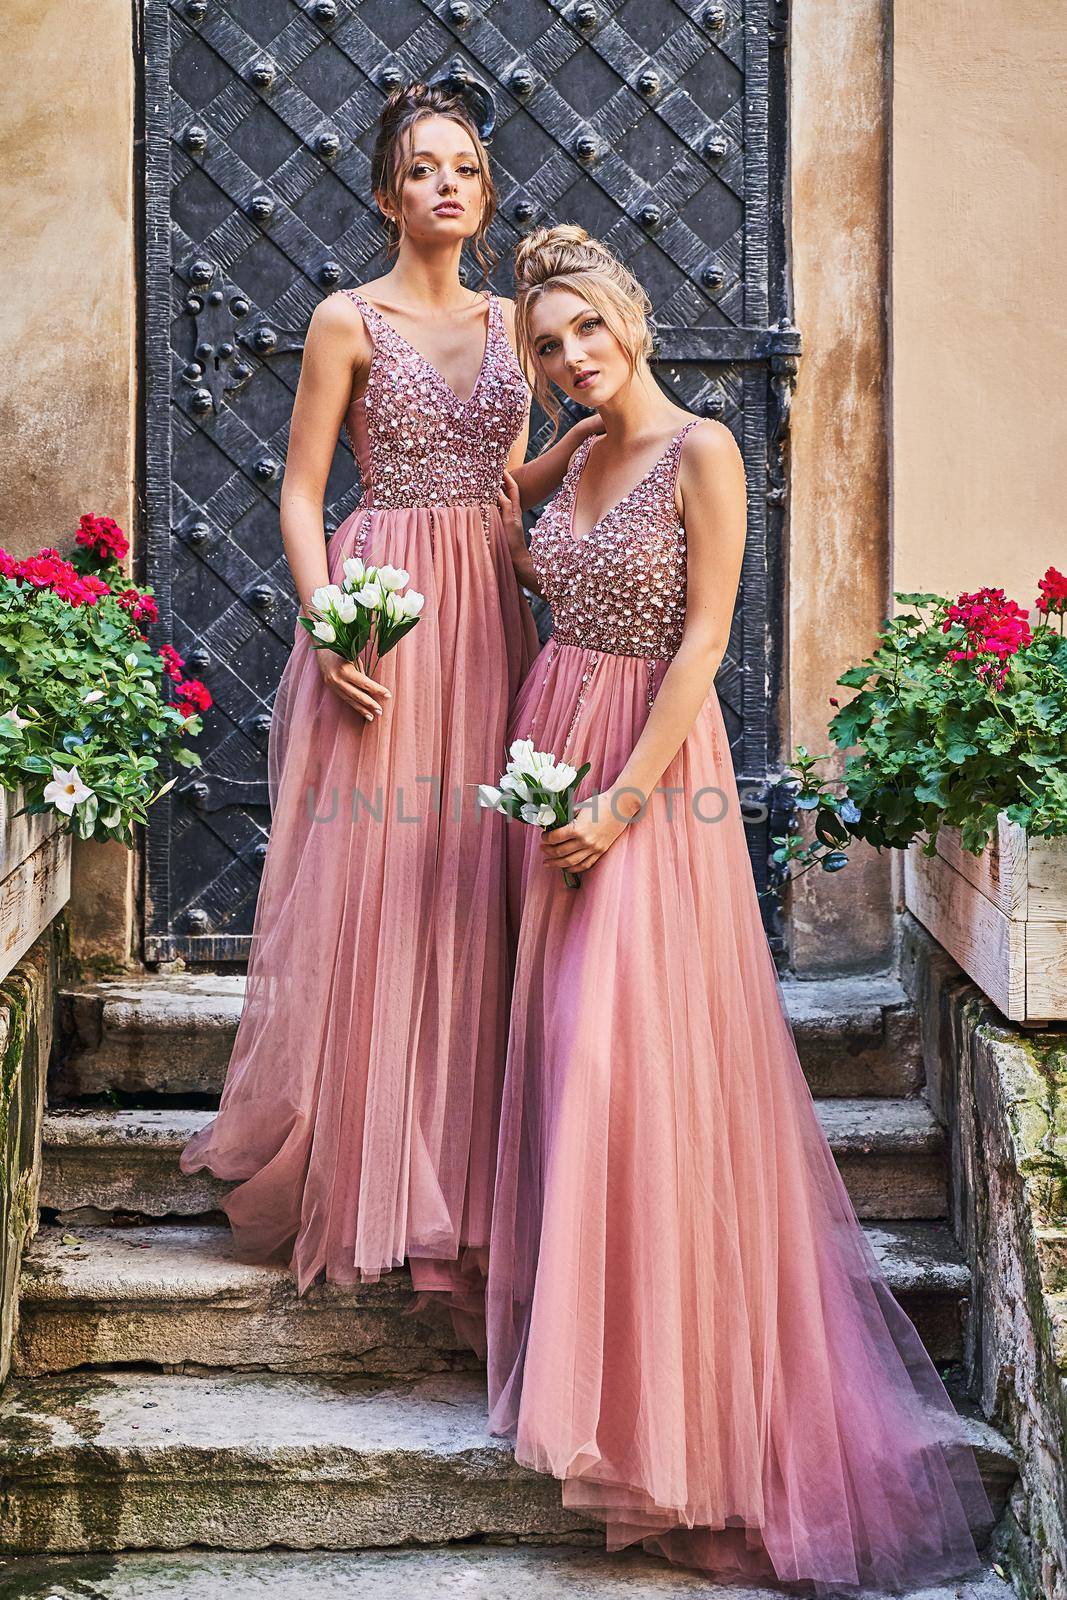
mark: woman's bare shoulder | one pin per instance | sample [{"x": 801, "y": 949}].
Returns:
[
  {"x": 337, "y": 321},
  {"x": 709, "y": 447}
]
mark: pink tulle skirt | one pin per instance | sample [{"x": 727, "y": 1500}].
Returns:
[
  {"x": 359, "y": 1111},
  {"x": 685, "y": 1321}
]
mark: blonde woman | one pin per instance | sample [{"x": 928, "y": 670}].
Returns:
[
  {"x": 359, "y": 1108},
  {"x": 685, "y": 1322}
]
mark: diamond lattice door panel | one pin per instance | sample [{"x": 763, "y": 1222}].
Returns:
[{"x": 657, "y": 124}]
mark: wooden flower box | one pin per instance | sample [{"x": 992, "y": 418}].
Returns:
[
  {"x": 1002, "y": 916},
  {"x": 34, "y": 875}
]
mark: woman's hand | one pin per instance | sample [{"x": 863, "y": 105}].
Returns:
[
  {"x": 579, "y": 845},
  {"x": 352, "y": 685},
  {"x": 509, "y": 504}
]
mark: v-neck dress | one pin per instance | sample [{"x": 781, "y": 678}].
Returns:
[
  {"x": 358, "y": 1115},
  {"x": 686, "y": 1323}
]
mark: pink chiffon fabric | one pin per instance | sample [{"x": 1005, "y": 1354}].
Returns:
[
  {"x": 686, "y": 1323},
  {"x": 359, "y": 1111}
]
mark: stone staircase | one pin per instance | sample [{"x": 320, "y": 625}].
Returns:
[{"x": 167, "y": 1396}]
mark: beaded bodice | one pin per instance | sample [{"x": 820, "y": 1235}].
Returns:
[
  {"x": 621, "y": 587},
  {"x": 416, "y": 441}
]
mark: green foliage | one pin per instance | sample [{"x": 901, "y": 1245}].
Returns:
[
  {"x": 52, "y": 655},
  {"x": 933, "y": 743}
]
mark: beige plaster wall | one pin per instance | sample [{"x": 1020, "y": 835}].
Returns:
[
  {"x": 979, "y": 330},
  {"x": 838, "y": 541},
  {"x": 67, "y": 324}
]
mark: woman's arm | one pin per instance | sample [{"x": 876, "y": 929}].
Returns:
[
  {"x": 510, "y": 507},
  {"x": 337, "y": 351},
  {"x": 542, "y": 476},
  {"x": 711, "y": 483}
]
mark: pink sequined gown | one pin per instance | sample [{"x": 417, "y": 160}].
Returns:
[
  {"x": 360, "y": 1105},
  {"x": 686, "y": 1323}
]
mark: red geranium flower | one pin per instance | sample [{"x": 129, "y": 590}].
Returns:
[
  {"x": 172, "y": 661},
  {"x": 195, "y": 694},
  {"x": 1053, "y": 596},
  {"x": 48, "y": 570},
  {"x": 8, "y": 564},
  {"x": 103, "y": 536},
  {"x": 994, "y": 626},
  {"x": 142, "y": 607}
]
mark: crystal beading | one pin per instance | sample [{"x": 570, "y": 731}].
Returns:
[
  {"x": 459, "y": 457},
  {"x": 620, "y": 589}
]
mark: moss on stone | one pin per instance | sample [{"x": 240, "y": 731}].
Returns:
[{"x": 26, "y": 1017}]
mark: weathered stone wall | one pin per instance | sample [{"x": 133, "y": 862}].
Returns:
[
  {"x": 837, "y": 541},
  {"x": 28, "y": 999},
  {"x": 68, "y": 330},
  {"x": 1002, "y": 1093}
]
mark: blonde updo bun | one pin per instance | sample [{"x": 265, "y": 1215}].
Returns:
[{"x": 567, "y": 257}]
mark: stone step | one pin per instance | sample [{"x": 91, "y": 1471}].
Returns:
[
  {"x": 172, "y": 1034},
  {"x": 175, "y": 1295},
  {"x": 134, "y": 1460},
  {"x": 891, "y": 1154},
  {"x": 158, "y": 1034},
  {"x": 856, "y": 1036},
  {"x": 479, "y": 1572}
]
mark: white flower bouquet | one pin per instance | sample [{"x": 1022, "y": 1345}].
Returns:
[
  {"x": 366, "y": 611},
  {"x": 536, "y": 788}
]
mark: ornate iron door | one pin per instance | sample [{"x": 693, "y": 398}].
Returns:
[{"x": 658, "y": 124}]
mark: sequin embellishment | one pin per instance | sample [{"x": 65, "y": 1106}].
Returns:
[
  {"x": 580, "y": 702},
  {"x": 621, "y": 588},
  {"x": 426, "y": 446}
]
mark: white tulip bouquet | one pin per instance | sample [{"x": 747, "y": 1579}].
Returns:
[
  {"x": 365, "y": 612},
  {"x": 537, "y": 789}
]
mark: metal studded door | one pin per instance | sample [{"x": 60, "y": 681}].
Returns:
[{"x": 658, "y": 124}]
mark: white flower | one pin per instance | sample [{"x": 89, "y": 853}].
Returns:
[
  {"x": 522, "y": 752},
  {"x": 412, "y": 602},
  {"x": 346, "y": 609},
  {"x": 556, "y": 779},
  {"x": 326, "y": 598},
  {"x": 13, "y": 716},
  {"x": 324, "y": 631},
  {"x": 392, "y": 577},
  {"x": 354, "y": 570},
  {"x": 66, "y": 789},
  {"x": 541, "y": 815},
  {"x": 393, "y": 607},
  {"x": 488, "y": 796},
  {"x": 525, "y": 758},
  {"x": 370, "y": 596},
  {"x": 514, "y": 783},
  {"x": 94, "y": 694}
]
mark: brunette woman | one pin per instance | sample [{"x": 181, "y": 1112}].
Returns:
[{"x": 360, "y": 1104}]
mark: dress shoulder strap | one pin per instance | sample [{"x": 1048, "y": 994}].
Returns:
[
  {"x": 573, "y": 470},
  {"x": 370, "y": 313},
  {"x": 667, "y": 484},
  {"x": 674, "y": 454}
]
